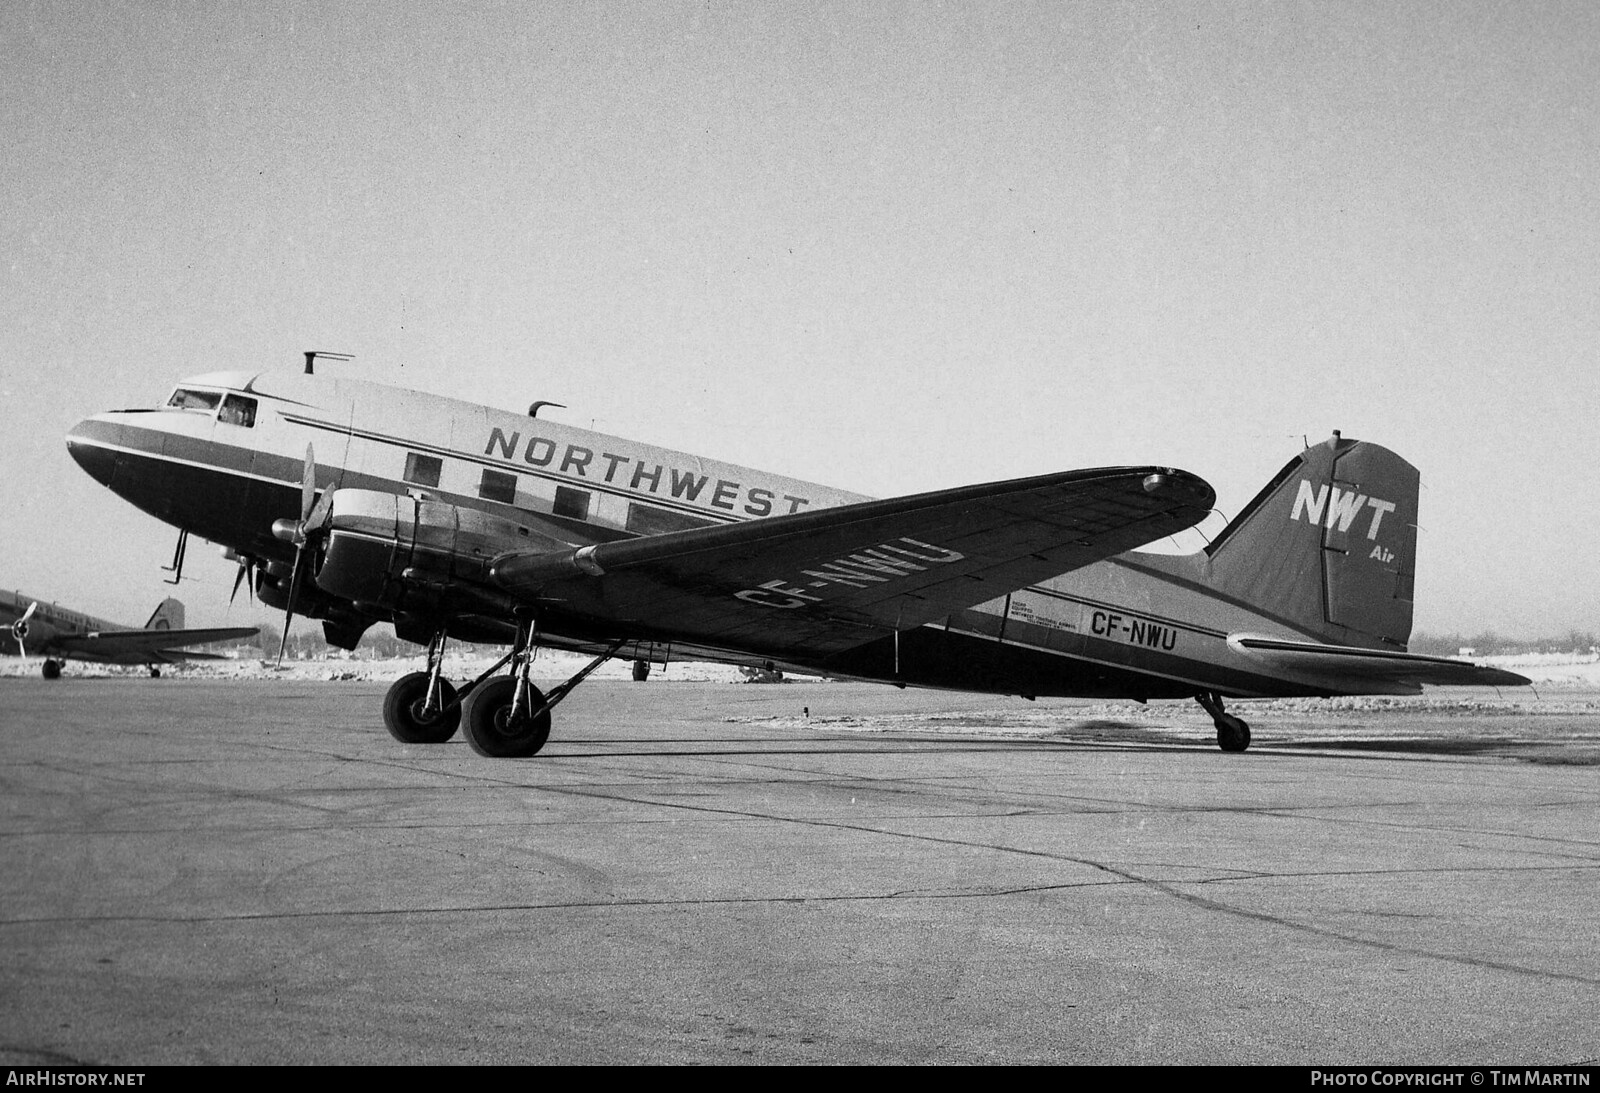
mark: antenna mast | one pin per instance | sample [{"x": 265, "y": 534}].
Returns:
[{"x": 313, "y": 354}]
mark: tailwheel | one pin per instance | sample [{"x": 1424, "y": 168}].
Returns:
[
  {"x": 412, "y": 719},
  {"x": 1233, "y": 734},
  {"x": 500, "y": 727}
]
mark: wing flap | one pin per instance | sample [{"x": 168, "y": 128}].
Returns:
[
  {"x": 820, "y": 582},
  {"x": 1372, "y": 666}
]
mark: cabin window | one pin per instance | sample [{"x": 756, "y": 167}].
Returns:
[
  {"x": 185, "y": 399},
  {"x": 494, "y": 486},
  {"x": 649, "y": 520},
  {"x": 238, "y": 410},
  {"x": 571, "y": 503},
  {"x": 423, "y": 469}
]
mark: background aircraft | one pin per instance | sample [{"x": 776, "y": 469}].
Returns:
[
  {"x": 454, "y": 520},
  {"x": 37, "y": 628}
]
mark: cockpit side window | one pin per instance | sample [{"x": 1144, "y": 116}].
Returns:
[
  {"x": 238, "y": 410},
  {"x": 187, "y": 399}
]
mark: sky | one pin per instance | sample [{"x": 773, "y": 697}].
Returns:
[{"x": 890, "y": 247}]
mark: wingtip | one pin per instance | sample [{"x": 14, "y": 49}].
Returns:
[
  {"x": 1181, "y": 485},
  {"x": 1498, "y": 677}
]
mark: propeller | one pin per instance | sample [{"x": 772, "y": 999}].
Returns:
[
  {"x": 313, "y": 516},
  {"x": 247, "y": 572},
  {"x": 19, "y": 629}
]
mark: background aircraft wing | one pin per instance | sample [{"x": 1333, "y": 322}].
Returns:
[
  {"x": 820, "y": 582},
  {"x": 1353, "y": 666},
  {"x": 144, "y": 646}
]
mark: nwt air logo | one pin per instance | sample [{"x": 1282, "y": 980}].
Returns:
[{"x": 1336, "y": 508}]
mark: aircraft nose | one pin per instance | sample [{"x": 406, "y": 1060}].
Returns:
[{"x": 89, "y": 444}]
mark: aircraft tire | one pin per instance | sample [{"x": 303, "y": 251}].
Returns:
[
  {"x": 51, "y": 669},
  {"x": 487, "y": 713},
  {"x": 641, "y": 671},
  {"x": 402, "y": 711},
  {"x": 1233, "y": 734}
]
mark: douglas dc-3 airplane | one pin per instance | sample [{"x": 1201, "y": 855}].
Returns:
[
  {"x": 57, "y": 634},
  {"x": 356, "y": 502}
]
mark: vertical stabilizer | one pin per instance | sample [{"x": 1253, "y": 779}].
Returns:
[
  {"x": 1330, "y": 545},
  {"x": 167, "y": 616}
]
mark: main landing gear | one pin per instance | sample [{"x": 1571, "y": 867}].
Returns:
[
  {"x": 422, "y": 708},
  {"x": 1232, "y": 732},
  {"x": 506, "y": 717}
]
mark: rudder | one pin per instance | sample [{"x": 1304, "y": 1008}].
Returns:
[
  {"x": 168, "y": 615},
  {"x": 1330, "y": 545}
]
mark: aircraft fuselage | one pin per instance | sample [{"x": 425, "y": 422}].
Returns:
[{"x": 225, "y": 459}]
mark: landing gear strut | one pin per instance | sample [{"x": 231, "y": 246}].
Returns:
[
  {"x": 508, "y": 717},
  {"x": 421, "y": 708},
  {"x": 1232, "y": 732}
]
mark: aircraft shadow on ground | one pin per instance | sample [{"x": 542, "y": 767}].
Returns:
[
  {"x": 1110, "y": 730},
  {"x": 1527, "y": 751}
]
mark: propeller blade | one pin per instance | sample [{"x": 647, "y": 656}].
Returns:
[
  {"x": 294, "y": 592},
  {"x": 308, "y": 485},
  {"x": 237, "y": 580},
  {"x": 314, "y": 512},
  {"x": 317, "y": 518},
  {"x": 28, "y": 614}
]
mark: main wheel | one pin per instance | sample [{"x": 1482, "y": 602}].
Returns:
[
  {"x": 1232, "y": 733},
  {"x": 51, "y": 669},
  {"x": 641, "y": 671},
  {"x": 490, "y": 728},
  {"x": 403, "y": 716}
]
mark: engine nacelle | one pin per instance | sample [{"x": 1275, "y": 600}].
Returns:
[
  {"x": 273, "y": 591},
  {"x": 401, "y": 553}
]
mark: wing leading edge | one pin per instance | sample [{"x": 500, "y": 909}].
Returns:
[{"x": 816, "y": 583}]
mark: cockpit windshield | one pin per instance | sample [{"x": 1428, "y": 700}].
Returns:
[
  {"x": 185, "y": 398},
  {"x": 235, "y": 409}
]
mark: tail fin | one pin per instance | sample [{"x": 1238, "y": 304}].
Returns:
[
  {"x": 1330, "y": 545},
  {"x": 168, "y": 615}
]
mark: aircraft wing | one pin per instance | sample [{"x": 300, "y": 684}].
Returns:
[
  {"x": 816, "y": 583},
  {"x": 1372, "y": 666},
  {"x": 144, "y": 646}
]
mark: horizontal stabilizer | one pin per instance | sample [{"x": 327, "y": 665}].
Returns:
[{"x": 1374, "y": 667}]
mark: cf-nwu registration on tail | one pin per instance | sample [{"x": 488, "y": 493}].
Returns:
[{"x": 356, "y": 503}]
